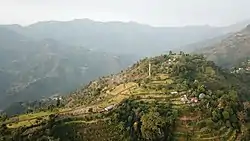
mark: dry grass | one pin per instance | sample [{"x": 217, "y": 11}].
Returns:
[
  {"x": 34, "y": 115},
  {"x": 163, "y": 76}
]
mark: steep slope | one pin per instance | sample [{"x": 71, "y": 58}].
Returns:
[
  {"x": 30, "y": 69},
  {"x": 183, "y": 97},
  {"x": 228, "y": 31},
  {"x": 122, "y": 37},
  {"x": 199, "y": 46},
  {"x": 231, "y": 50}
]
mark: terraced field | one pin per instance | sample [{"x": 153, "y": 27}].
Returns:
[{"x": 185, "y": 127}]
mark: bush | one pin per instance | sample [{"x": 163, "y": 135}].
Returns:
[
  {"x": 158, "y": 78},
  {"x": 90, "y": 110},
  {"x": 201, "y": 124}
]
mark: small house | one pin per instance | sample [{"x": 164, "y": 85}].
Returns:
[
  {"x": 184, "y": 99},
  {"x": 56, "y": 98},
  {"x": 109, "y": 108},
  {"x": 194, "y": 100},
  {"x": 185, "y": 96},
  {"x": 201, "y": 96},
  {"x": 239, "y": 70},
  {"x": 196, "y": 81},
  {"x": 175, "y": 92}
]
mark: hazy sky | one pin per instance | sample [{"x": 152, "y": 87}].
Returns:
[{"x": 153, "y": 12}]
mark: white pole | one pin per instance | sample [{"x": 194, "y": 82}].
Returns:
[{"x": 149, "y": 69}]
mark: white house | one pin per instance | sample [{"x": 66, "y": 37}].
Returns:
[
  {"x": 56, "y": 98},
  {"x": 109, "y": 108},
  {"x": 175, "y": 92},
  {"x": 184, "y": 99},
  {"x": 201, "y": 96}
]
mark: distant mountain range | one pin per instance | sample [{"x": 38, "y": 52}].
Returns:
[{"x": 117, "y": 37}]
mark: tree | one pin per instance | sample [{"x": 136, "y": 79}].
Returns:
[
  {"x": 233, "y": 118},
  {"x": 182, "y": 53},
  {"x": 130, "y": 120},
  {"x": 3, "y": 128},
  {"x": 226, "y": 115},
  {"x": 215, "y": 116},
  {"x": 121, "y": 126},
  {"x": 3, "y": 117},
  {"x": 58, "y": 102},
  {"x": 242, "y": 116},
  {"x": 201, "y": 89},
  {"x": 233, "y": 96},
  {"x": 152, "y": 125},
  {"x": 90, "y": 110}
]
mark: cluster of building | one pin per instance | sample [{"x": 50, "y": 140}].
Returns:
[
  {"x": 241, "y": 70},
  {"x": 246, "y": 68},
  {"x": 52, "y": 98},
  {"x": 185, "y": 100}
]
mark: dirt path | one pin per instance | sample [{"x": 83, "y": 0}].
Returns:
[{"x": 186, "y": 118}]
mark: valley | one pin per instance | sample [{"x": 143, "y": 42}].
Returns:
[
  {"x": 83, "y": 80},
  {"x": 32, "y": 70}
]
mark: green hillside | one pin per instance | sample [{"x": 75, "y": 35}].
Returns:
[{"x": 168, "y": 97}]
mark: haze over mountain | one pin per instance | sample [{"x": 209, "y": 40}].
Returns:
[
  {"x": 34, "y": 58},
  {"x": 31, "y": 70},
  {"x": 117, "y": 37},
  {"x": 85, "y": 70},
  {"x": 229, "y": 50}
]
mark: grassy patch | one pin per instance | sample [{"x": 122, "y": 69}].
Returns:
[
  {"x": 169, "y": 81},
  {"x": 25, "y": 123},
  {"x": 27, "y": 119},
  {"x": 139, "y": 90},
  {"x": 34, "y": 115},
  {"x": 22, "y": 123},
  {"x": 158, "y": 82}
]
